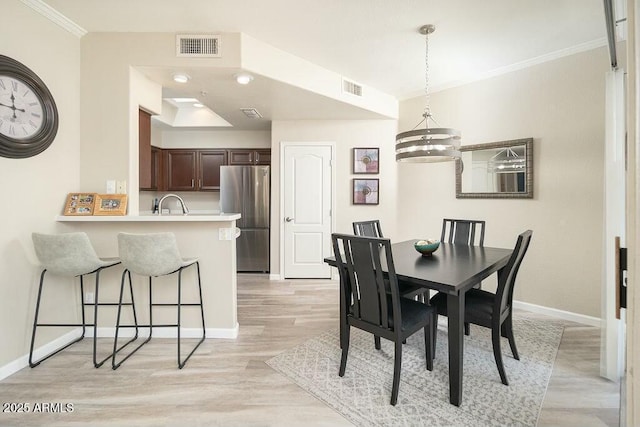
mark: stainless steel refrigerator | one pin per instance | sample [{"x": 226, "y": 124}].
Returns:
[{"x": 246, "y": 190}]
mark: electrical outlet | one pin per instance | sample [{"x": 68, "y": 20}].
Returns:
[
  {"x": 226, "y": 233},
  {"x": 88, "y": 297}
]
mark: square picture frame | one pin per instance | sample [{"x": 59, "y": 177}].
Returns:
[
  {"x": 111, "y": 204},
  {"x": 366, "y": 191},
  {"x": 366, "y": 160},
  {"x": 79, "y": 204}
]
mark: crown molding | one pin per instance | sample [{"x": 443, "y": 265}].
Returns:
[
  {"x": 583, "y": 47},
  {"x": 55, "y": 17}
]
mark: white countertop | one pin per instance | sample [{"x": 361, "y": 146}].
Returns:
[{"x": 148, "y": 217}]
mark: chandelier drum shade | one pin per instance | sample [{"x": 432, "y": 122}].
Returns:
[{"x": 428, "y": 144}]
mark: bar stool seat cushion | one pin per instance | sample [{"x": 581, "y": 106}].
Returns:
[
  {"x": 153, "y": 254},
  {"x": 68, "y": 254}
]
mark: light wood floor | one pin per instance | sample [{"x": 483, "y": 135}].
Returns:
[{"x": 227, "y": 383}]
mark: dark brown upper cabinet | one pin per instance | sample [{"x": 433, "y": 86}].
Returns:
[
  {"x": 246, "y": 156},
  {"x": 194, "y": 170},
  {"x": 144, "y": 150}
]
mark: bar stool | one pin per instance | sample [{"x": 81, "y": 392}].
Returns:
[
  {"x": 69, "y": 254},
  {"x": 154, "y": 255}
]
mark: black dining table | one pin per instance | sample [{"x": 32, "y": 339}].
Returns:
[{"x": 452, "y": 269}]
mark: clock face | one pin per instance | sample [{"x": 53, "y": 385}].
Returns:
[
  {"x": 28, "y": 113},
  {"x": 21, "y": 114}
]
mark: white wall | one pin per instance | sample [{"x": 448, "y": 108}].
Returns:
[
  {"x": 34, "y": 189},
  {"x": 347, "y": 134},
  {"x": 213, "y": 138},
  {"x": 561, "y": 105}
]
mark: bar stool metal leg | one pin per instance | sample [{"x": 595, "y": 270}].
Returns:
[
  {"x": 33, "y": 363},
  {"x": 182, "y": 363},
  {"x": 117, "y": 349}
]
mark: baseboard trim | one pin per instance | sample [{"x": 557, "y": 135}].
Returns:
[
  {"x": 211, "y": 333},
  {"x": 23, "y": 361},
  {"x": 565, "y": 315}
]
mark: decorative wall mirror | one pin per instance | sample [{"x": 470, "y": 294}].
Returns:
[{"x": 499, "y": 170}]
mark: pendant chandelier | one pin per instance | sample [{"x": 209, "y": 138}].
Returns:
[{"x": 428, "y": 144}]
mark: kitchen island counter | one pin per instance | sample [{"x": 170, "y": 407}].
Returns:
[{"x": 208, "y": 237}]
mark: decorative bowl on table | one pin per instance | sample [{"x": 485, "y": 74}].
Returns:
[{"x": 426, "y": 247}]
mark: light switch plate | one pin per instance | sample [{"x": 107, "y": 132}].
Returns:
[
  {"x": 111, "y": 186},
  {"x": 121, "y": 187}
]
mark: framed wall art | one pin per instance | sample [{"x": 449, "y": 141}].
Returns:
[
  {"x": 111, "y": 204},
  {"x": 365, "y": 160},
  {"x": 365, "y": 192},
  {"x": 80, "y": 204}
]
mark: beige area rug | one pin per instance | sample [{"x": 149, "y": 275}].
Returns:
[{"x": 362, "y": 395}]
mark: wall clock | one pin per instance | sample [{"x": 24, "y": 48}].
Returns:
[{"x": 28, "y": 113}]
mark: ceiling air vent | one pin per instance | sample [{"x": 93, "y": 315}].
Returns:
[
  {"x": 351, "y": 87},
  {"x": 252, "y": 113},
  {"x": 197, "y": 46}
]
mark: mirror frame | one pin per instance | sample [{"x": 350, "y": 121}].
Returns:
[{"x": 527, "y": 142}]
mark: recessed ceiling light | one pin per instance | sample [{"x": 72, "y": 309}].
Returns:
[
  {"x": 181, "y": 78},
  {"x": 244, "y": 78},
  {"x": 198, "y": 105}
]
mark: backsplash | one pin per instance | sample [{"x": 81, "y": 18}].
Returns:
[{"x": 195, "y": 201}]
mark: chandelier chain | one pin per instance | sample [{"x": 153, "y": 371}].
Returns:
[{"x": 427, "y": 109}]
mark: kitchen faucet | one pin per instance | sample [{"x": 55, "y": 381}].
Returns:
[{"x": 184, "y": 207}]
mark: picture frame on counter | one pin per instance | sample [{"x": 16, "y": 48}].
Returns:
[
  {"x": 366, "y": 191},
  {"x": 366, "y": 160},
  {"x": 110, "y": 204},
  {"x": 80, "y": 204}
]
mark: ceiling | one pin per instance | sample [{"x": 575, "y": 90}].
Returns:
[{"x": 372, "y": 42}]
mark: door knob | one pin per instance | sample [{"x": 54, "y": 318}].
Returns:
[{"x": 288, "y": 219}]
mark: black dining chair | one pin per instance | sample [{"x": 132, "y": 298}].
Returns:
[
  {"x": 374, "y": 304},
  {"x": 369, "y": 228},
  {"x": 463, "y": 232},
  {"x": 372, "y": 228},
  {"x": 494, "y": 311}
]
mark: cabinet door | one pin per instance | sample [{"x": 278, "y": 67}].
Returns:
[
  {"x": 181, "y": 170},
  {"x": 241, "y": 157},
  {"x": 157, "y": 169},
  {"x": 209, "y": 166},
  {"x": 144, "y": 150},
  {"x": 262, "y": 157}
]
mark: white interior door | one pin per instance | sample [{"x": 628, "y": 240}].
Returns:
[
  {"x": 306, "y": 219},
  {"x": 613, "y": 337}
]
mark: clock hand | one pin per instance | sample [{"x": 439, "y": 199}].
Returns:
[{"x": 13, "y": 106}]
